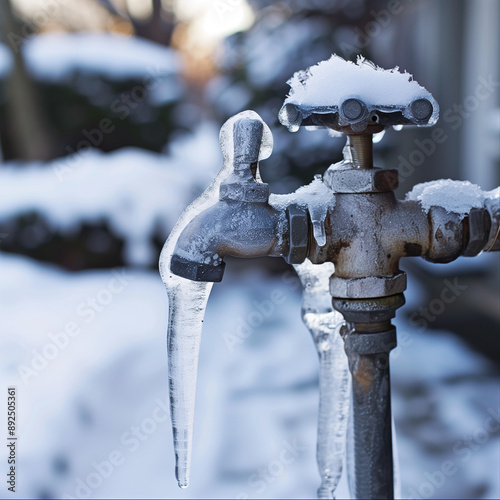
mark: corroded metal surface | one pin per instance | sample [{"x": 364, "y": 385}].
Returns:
[
  {"x": 368, "y": 355},
  {"x": 367, "y": 287}
]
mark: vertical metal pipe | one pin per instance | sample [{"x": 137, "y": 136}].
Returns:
[{"x": 368, "y": 355}]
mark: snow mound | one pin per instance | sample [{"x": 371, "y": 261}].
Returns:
[
  {"x": 135, "y": 191},
  {"x": 81, "y": 58},
  {"x": 54, "y": 56},
  {"x": 352, "y": 92},
  {"x": 454, "y": 196}
]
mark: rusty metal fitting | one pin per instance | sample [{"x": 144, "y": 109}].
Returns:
[
  {"x": 374, "y": 310},
  {"x": 446, "y": 241},
  {"x": 345, "y": 178},
  {"x": 299, "y": 231},
  {"x": 370, "y": 343},
  {"x": 367, "y": 287},
  {"x": 478, "y": 224}
]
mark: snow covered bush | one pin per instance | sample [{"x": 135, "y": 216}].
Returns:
[
  {"x": 101, "y": 90},
  {"x": 101, "y": 210}
]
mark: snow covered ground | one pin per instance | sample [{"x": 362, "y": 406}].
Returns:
[{"x": 87, "y": 354}]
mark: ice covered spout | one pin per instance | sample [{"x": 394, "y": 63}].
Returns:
[
  {"x": 187, "y": 300},
  {"x": 240, "y": 224}
]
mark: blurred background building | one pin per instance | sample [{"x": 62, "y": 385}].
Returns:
[{"x": 109, "y": 119}]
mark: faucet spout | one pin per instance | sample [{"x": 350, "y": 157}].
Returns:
[
  {"x": 240, "y": 224},
  {"x": 239, "y": 229}
]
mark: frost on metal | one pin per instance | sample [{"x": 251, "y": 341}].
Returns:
[
  {"x": 454, "y": 196},
  {"x": 187, "y": 301},
  {"x": 325, "y": 87}
]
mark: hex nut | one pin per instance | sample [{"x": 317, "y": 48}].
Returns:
[
  {"x": 367, "y": 287},
  {"x": 347, "y": 179},
  {"x": 479, "y": 224},
  {"x": 299, "y": 231}
]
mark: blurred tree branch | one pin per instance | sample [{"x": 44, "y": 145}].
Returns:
[
  {"x": 28, "y": 132},
  {"x": 158, "y": 27}
]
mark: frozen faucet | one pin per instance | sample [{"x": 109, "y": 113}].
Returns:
[
  {"x": 241, "y": 224},
  {"x": 346, "y": 232}
]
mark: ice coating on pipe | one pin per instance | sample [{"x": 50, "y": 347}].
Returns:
[
  {"x": 187, "y": 302},
  {"x": 324, "y": 324}
]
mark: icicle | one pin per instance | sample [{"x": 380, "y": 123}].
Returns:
[
  {"x": 317, "y": 198},
  {"x": 318, "y": 213},
  {"x": 324, "y": 324},
  {"x": 187, "y": 302}
]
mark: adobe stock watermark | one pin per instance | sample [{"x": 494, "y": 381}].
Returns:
[
  {"x": 373, "y": 28},
  {"x": 88, "y": 311},
  {"x": 464, "y": 448},
  {"x": 245, "y": 327},
  {"x": 425, "y": 315},
  {"x": 122, "y": 106},
  {"x": 47, "y": 9},
  {"x": 130, "y": 441},
  {"x": 454, "y": 118},
  {"x": 260, "y": 480},
  {"x": 421, "y": 319}
]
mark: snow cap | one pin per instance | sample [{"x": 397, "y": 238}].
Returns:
[{"x": 355, "y": 92}]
